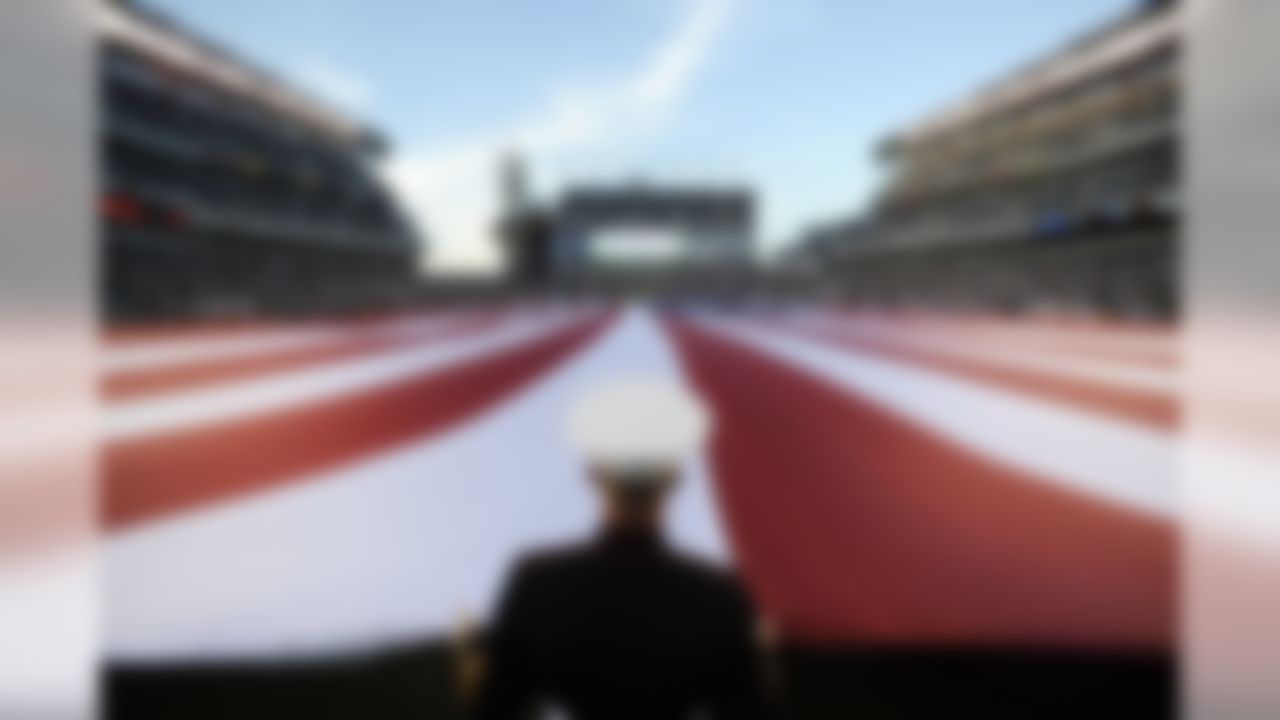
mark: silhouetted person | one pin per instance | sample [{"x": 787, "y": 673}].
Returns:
[{"x": 623, "y": 626}]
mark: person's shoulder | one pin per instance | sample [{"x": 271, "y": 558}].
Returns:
[
  {"x": 711, "y": 576},
  {"x": 551, "y": 560}
]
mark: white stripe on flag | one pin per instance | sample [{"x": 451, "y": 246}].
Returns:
[
  {"x": 141, "y": 356},
  {"x": 393, "y": 546},
  {"x": 1087, "y": 452},
  {"x": 1117, "y": 374},
  {"x": 236, "y": 399}
]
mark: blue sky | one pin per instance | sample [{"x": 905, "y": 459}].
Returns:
[{"x": 788, "y": 95}]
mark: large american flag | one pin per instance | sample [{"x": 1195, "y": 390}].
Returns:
[{"x": 323, "y": 487}]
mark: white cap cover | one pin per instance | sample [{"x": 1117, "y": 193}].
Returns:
[{"x": 638, "y": 422}]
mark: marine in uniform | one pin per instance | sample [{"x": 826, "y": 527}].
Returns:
[{"x": 623, "y": 625}]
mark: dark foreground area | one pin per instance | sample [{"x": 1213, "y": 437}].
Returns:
[{"x": 418, "y": 682}]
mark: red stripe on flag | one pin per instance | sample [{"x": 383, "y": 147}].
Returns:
[
  {"x": 1138, "y": 344},
  {"x": 1159, "y": 410},
  {"x": 851, "y": 524},
  {"x": 125, "y": 335},
  {"x": 152, "y": 477},
  {"x": 134, "y": 384}
]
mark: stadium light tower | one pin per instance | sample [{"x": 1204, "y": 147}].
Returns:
[{"x": 515, "y": 184}]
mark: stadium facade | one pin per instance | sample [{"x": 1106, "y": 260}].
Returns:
[
  {"x": 1054, "y": 187},
  {"x": 226, "y": 192},
  {"x": 627, "y": 237},
  {"x": 637, "y": 224}
]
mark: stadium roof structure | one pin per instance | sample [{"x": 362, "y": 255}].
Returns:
[
  {"x": 152, "y": 34},
  {"x": 1132, "y": 36}
]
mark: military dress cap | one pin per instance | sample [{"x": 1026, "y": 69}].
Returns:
[{"x": 634, "y": 424}]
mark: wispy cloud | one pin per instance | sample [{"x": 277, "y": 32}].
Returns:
[
  {"x": 451, "y": 190},
  {"x": 336, "y": 84}
]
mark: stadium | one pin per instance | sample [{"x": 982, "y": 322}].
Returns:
[
  {"x": 1052, "y": 189},
  {"x": 944, "y": 446},
  {"x": 226, "y": 193}
]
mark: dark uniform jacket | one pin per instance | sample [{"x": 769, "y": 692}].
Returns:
[{"x": 621, "y": 627}]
